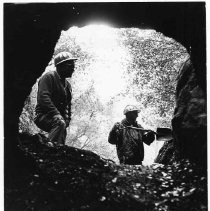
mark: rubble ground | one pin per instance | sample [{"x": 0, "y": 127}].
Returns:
[{"x": 67, "y": 178}]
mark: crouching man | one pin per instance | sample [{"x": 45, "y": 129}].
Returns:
[
  {"x": 53, "y": 109},
  {"x": 128, "y": 136}
]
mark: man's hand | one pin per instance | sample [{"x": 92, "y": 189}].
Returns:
[
  {"x": 58, "y": 117},
  {"x": 149, "y": 137}
]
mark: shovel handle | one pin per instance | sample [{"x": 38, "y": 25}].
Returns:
[{"x": 136, "y": 128}]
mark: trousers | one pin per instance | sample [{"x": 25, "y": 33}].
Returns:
[
  {"x": 130, "y": 161},
  {"x": 56, "y": 127}
]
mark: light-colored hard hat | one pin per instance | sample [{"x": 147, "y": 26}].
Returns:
[
  {"x": 62, "y": 57},
  {"x": 130, "y": 108}
]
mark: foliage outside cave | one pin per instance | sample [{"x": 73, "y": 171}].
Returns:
[{"x": 115, "y": 67}]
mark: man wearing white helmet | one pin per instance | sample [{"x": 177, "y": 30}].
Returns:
[
  {"x": 128, "y": 136},
  {"x": 53, "y": 109}
]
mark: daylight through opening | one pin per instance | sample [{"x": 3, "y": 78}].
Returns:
[{"x": 115, "y": 67}]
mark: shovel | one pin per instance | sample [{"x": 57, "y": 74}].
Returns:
[{"x": 164, "y": 134}]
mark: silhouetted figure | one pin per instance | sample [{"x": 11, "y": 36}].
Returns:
[
  {"x": 53, "y": 109},
  {"x": 128, "y": 136}
]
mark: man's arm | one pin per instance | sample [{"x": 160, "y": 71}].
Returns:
[
  {"x": 114, "y": 134},
  {"x": 44, "y": 95}
]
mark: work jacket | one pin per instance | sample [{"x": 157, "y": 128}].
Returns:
[
  {"x": 53, "y": 97},
  {"x": 129, "y": 141}
]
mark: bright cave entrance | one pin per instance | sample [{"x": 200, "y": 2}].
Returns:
[{"x": 115, "y": 67}]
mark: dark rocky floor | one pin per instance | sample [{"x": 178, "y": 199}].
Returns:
[{"x": 66, "y": 178}]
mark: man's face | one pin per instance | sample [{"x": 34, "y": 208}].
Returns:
[
  {"x": 132, "y": 116},
  {"x": 66, "y": 69}
]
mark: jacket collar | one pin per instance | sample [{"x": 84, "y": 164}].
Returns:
[
  {"x": 57, "y": 74},
  {"x": 127, "y": 123}
]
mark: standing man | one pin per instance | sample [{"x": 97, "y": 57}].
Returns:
[
  {"x": 53, "y": 109},
  {"x": 128, "y": 136}
]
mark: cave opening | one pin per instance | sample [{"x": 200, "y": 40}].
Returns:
[
  {"x": 115, "y": 67},
  {"x": 31, "y": 27}
]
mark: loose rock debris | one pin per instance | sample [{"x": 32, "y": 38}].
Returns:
[{"x": 67, "y": 178}]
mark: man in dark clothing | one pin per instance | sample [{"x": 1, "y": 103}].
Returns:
[
  {"x": 128, "y": 136},
  {"x": 53, "y": 109}
]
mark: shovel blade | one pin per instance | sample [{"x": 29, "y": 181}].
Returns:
[{"x": 164, "y": 134}]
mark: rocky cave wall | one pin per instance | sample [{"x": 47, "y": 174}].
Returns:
[
  {"x": 190, "y": 116},
  {"x": 32, "y": 30}
]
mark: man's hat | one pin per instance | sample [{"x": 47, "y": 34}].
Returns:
[
  {"x": 63, "y": 57},
  {"x": 130, "y": 108}
]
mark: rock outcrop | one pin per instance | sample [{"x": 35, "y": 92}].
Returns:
[
  {"x": 190, "y": 117},
  {"x": 168, "y": 153},
  {"x": 189, "y": 122}
]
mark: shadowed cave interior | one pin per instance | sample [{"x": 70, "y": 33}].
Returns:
[{"x": 30, "y": 35}]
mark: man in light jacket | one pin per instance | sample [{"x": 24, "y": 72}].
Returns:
[{"x": 53, "y": 109}]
